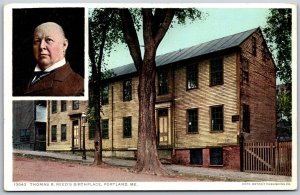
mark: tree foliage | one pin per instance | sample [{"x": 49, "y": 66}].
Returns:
[
  {"x": 284, "y": 105},
  {"x": 104, "y": 32},
  {"x": 278, "y": 34}
]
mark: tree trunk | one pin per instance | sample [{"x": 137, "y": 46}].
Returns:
[
  {"x": 147, "y": 155},
  {"x": 98, "y": 147},
  {"x": 97, "y": 121},
  {"x": 96, "y": 105},
  {"x": 95, "y": 97},
  {"x": 154, "y": 29}
]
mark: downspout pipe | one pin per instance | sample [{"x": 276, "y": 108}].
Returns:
[
  {"x": 112, "y": 121},
  {"x": 174, "y": 110},
  {"x": 48, "y": 119}
]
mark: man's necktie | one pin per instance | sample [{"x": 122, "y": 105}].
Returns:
[{"x": 38, "y": 76}]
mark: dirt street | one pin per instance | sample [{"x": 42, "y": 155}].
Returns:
[{"x": 38, "y": 170}]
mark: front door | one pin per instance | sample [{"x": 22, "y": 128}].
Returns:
[
  {"x": 163, "y": 127},
  {"x": 75, "y": 134}
]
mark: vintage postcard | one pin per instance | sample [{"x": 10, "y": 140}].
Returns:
[{"x": 150, "y": 97}]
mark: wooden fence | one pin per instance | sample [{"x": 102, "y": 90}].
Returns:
[{"x": 268, "y": 158}]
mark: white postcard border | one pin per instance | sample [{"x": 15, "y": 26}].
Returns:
[{"x": 9, "y": 185}]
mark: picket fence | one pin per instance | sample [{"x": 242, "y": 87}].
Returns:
[{"x": 268, "y": 158}]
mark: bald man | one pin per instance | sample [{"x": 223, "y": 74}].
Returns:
[{"x": 53, "y": 75}]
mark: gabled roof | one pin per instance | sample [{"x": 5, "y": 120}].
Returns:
[{"x": 190, "y": 52}]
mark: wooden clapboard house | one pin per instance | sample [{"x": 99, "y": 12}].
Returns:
[{"x": 209, "y": 97}]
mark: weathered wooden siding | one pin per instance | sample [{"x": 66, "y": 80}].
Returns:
[
  {"x": 59, "y": 118},
  {"x": 203, "y": 98},
  {"x": 260, "y": 92},
  {"x": 115, "y": 112}
]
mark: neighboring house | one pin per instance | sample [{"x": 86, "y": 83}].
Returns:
[
  {"x": 29, "y": 125},
  {"x": 209, "y": 96},
  {"x": 65, "y": 126}
]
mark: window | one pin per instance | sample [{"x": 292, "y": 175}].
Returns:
[
  {"x": 162, "y": 82},
  {"x": 53, "y": 133},
  {"x": 127, "y": 127},
  {"x": 54, "y": 106},
  {"x": 63, "y": 105},
  {"x": 63, "y": 132},
  {"x": 92, "y": 127},
  {"x": 216, "y": 72},
  {"x": 162, "y": 112},
  {"x": 254, "y": 46},
  {"x": 192, "y": 120},
  {"x": 216, "y": 156},
  {"x": 196, "y": 156},
  {"x": 127, "y": 90},
  {"x": 192, "y": 77},
  {"x": 246, "y": 118},
  {"x": 265, "y": 55},
  {"x": 104, "y": 94},
  {"x": 245, "y": 70},
  {"x": 217, "y": 118},
  {"x": 105, "y": 129},
  {"x": 24, "y": 135},
  {"x": 75, "y": 105}
]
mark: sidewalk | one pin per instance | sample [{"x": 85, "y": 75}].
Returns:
[{"x": 218, "y": 174}]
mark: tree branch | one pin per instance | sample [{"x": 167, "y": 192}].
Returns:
[
  {"x": 131, "y": 37},
  {"x": 158, "y": 18},
  {"x": 91, "y": 47},
  {"x": 92, "y": 55},
  {"x": 147, "y": 27},
  {"x": 164, "y": 26},
  {"x": 101, "y": 49}
]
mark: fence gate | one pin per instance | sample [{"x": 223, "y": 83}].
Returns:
[{"x": 268, "y": 158}]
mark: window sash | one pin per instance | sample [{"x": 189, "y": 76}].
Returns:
[
  {"x": 126, "y": 127},
  {"x": 127, "y": 90},
  {"x": 192, "y": 120},
  {"x": 192, "y": 76},
  {"x": 246, "y": 118},
  {"x": 92, "y": 130},
  {"x": 196, "y": 156},
  {"x": 217, "y": 118},
  {"x": 63, "y": 132},
  {"x": 54, "y": 106},
  {"x": 216, "y": 156},
  {"x": 104, "y": 94},
  {"x": 63, "y": 105},
  {"x": 216, "y": 72},
  {"x": 53, "y": 133},
  {"x": 254, "y": 46},
  {"x": 105, "y": 129},
  {"x": 245, "y": 70},
  {"x": 75, "y": 105},
  {"x": 162, "y": 82}
]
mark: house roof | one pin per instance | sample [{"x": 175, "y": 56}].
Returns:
[{"x": 190, "y": 52}]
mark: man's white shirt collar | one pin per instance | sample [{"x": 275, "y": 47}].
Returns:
[{"x": 53, "y": 67}]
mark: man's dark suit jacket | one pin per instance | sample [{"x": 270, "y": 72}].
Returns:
[{"x": 62, "y": 81}]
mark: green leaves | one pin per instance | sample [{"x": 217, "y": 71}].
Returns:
[
  {"x": 183, "y": 14},
  {"x": 279, "y": 37},
  {"x": 284, "y": 105},
  {"x": 106, "y": 31}
]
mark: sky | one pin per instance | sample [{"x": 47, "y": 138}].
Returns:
[{"x": 218, "y": 23}]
